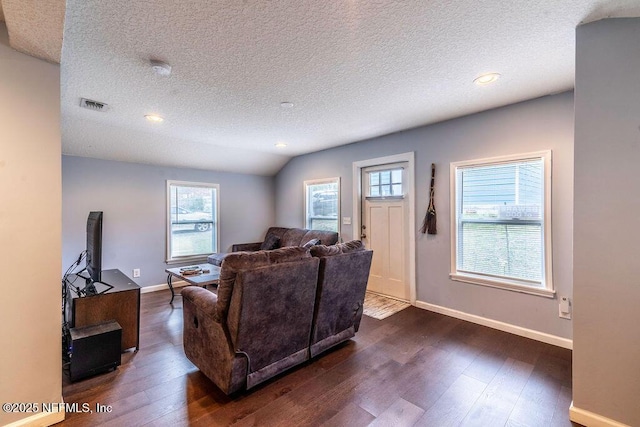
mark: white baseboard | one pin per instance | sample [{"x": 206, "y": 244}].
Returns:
[
  {"x": 590, "y": 419},
  {"x": 41, "y": 418},
  {"x": 495, "y": 324},
  {"x": 162, "y": 287}
]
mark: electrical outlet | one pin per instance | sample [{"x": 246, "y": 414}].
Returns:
[
  {"x": 564, "y": 308},
  {"x": 136, "y": 272}
]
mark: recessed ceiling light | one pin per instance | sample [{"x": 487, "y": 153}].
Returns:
[
  {"x": 154, "y": 118},
  {"x": 286, "y": 104},
  {"x": 281, "y": 145},
  {"x": 160, "y": 68},
  {"x": 486, "y": 79}
]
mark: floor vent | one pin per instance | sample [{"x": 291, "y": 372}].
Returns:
[{"x": 93, "y": 105}]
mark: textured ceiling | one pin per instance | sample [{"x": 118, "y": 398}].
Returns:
[
  {"x": 354, "y": 69},
  {"x": 35, "y": 26}
]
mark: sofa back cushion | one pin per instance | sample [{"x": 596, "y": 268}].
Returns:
[
  {"x": 271, "y": 313},
  {"x": 340, "y": 248},
  {"x": 325, "y": 237},
  {"x": 342, "y": 283},
  {"x": 238, "y": 261},
  {"x": 271, "y": 241},
  {"x": 301, "y": 236},
  {"x": 293, "y": 237},
  {"x": 276, "y": 232}
]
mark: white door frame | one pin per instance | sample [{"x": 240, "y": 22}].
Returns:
[{"x": 357, "y": 206}]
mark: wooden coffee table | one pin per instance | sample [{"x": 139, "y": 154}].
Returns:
[{"x": 200, "y": 279}]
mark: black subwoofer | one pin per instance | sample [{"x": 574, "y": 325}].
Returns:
[{"x": 94, "y": 349}]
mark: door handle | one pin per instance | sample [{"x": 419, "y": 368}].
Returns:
[{"x": 363, "y": 236}]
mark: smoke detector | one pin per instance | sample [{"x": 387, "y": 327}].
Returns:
[
  {"x": 160, "y": 68},
  {"x": 93, "y": 105}
]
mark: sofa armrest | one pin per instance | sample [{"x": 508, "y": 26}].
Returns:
[
  {"x": 205, "y": 301},
  {"x": 206, "y": 341},
  {"x": 246, "y": 247}
]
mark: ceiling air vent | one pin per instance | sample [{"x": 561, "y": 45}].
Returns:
[{"x": 93, "y": 105}]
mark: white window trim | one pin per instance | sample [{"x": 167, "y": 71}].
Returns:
[
  {"x": 504, "y": 283},
  {"x": 306, "y": 197},
  {"x": 192, "y": 258}
]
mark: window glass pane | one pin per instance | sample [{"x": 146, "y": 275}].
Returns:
[
  {"x": 193, "y": 217},
  {"x": 322, "y": 205},
  {"x": 396, "y": 176},
  {"x": 385, "y": 183},
  {"x": 505, "y": 191}
]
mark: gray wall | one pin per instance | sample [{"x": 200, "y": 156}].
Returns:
[
  {"x": 30, "y": 232},
  {"x": 606, "y": 360},
  {"x": 545, "y": 123},
  {"x": 133, "y": 199}
]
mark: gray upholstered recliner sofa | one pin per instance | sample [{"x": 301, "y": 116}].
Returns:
[
  {"x": 274, "y": 310},
  {"x": 280, "y": 237}
]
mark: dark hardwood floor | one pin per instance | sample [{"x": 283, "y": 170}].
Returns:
[{"x": 413, "y": 368}]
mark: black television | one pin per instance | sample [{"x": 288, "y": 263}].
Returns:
[{"x": 94, "y": 246}]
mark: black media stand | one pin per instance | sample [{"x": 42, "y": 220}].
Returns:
[{"x": 121, "y": 303}]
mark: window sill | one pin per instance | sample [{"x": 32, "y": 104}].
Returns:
[
  {"x": 198, "y": 259},
  {"x": 503, "y": 284}
]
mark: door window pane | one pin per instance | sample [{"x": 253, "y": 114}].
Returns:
[{"x": 384, "y": 183}]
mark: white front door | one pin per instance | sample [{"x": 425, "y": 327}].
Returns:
[{"x": 385, "y": 228}]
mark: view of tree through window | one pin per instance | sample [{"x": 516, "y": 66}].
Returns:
[
  {"x": 500, "y": 220},
  {"x": 192, "y": 213},
  {"x": 322, "y": 200}
]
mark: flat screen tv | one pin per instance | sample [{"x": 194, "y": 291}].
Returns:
[{"x": 94, "y": 245}]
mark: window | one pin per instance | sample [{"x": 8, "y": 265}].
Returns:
[
  {"x": 192, "y": 220},
  {"x": 501, "y": 222},
  {"x": 385, "y": 183},
  {"x": 322, "y": 204}
]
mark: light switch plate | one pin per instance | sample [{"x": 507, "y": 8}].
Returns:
[
  {"x": 564, "y": 308},
  {"x": 346, "y": 220}
]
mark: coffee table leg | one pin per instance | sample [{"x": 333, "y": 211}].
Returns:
[{"x": 170, "y": 287}]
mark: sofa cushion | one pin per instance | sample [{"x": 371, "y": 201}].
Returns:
[
  {"x": 325, "y": 237},
  {"x": 276, "y": 231},
  {"x": 270, "y": 242},
  {"x": 311, "y": 243},
  {"x": 237, "y": 261},
  {"x": 294, "y": 237},
  {"x": 339, "y": 248}
]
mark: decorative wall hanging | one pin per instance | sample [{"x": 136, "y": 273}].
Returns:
[{"x": 429, "y": 224}]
